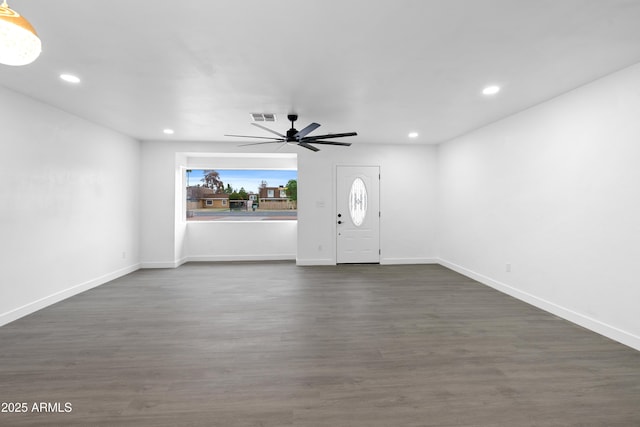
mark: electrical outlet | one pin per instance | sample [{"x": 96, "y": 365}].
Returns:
[
  {"x": 508, "y": 268},
  {"x": 124, "y": 255}
]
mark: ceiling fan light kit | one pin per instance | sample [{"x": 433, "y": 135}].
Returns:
[
  {"x": 19, "y": 43},
  {"x": 299, "y": 137}
]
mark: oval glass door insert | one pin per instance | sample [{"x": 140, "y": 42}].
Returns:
[{"x": 358, "y": 202}]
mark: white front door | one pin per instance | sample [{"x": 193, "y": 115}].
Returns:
[{"x": 358, "y": 214}]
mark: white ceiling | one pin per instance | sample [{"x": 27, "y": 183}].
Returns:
[{"x": 382, "y": 68}]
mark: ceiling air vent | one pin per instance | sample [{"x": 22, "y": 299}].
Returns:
[{"x": 263, "y": 117}]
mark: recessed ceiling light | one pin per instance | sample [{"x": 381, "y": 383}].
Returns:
[
  {"x": 168, "y": 131},
  {"x": 70, "y": 78},
  {"x": 413, "y": 135},
  {"x": 491, "y": 90}
]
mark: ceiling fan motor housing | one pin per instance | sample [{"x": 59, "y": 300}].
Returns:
[{"x": 291, "y": 135}]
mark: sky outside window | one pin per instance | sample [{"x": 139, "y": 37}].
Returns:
[{"x": 249, "y": 179}]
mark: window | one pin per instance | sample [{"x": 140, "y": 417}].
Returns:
[
  {"x": 241, "y": 194},
  {"x": 358, "y": 202}
]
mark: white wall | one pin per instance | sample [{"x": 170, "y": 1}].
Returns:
[
  {"x": 68, "y": 205},
  {"x": 555, "y": 192},
  {"x": 407, "y": 201},
  {"x": 241, "y": 241},
  {"x": 159, "y": 227}
]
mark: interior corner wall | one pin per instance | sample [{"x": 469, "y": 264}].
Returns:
[
  {"x": 407, "y": 201},
  {"x": 69, "y": 205},
  {"x": 161, "y": 232},
  {"x": 180, "y": 195},
  {"x": 545, "y": 205}
]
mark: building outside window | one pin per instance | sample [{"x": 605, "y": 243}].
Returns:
[{"x": 238, "y": 194}]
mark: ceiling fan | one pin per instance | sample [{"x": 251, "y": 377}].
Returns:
[{"x": 299, "y": 137}]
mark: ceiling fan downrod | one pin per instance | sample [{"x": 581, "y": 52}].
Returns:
[{"x": 291, "y": 133}]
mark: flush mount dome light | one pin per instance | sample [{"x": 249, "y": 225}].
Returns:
[
  {"x": 413, "y": 134},
  {"x": 19, "y": 43},
  {"x": 491, "y": 90},
  {"x": 168, "y": 131}
]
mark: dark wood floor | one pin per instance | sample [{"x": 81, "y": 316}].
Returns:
[{"x": 272, "y": 344}]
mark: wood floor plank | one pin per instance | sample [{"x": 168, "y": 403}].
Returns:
[{"x": 274, "y": 344}]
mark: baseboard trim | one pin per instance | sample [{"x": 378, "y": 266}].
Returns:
[
  {"x": 34, "y": 306},
  {"x": 392, "y": 261},
  {"x": 311, "y": 262},
  {"x": 383, "y": 261},
  {"x": 587, "y": 322},
  {"x": 227, "y": 258},
  {"x": 167, "y": 264}
]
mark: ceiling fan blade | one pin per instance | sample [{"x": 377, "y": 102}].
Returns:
[
  {"x": 304, "y": 132},
  {"x": 345, "y": 144},
  {"x": 258, "y": 143},
  {"x": 284, "y": 144},
  {"x": 250, "y": 136},
  {"x": 310, "y": 147},
  {"x": 268, "y": 130},
  {"x": 331, "y": 135}
]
